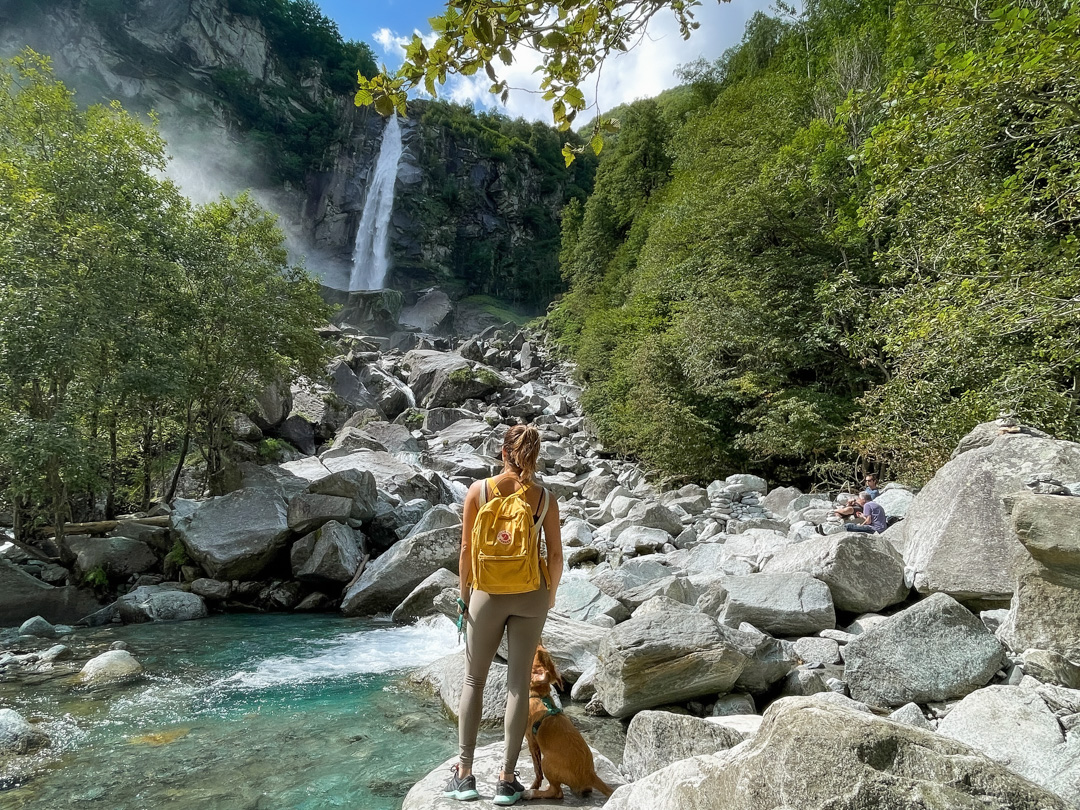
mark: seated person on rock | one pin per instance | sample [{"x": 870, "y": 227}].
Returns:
[
  {"x": 870, "y": 485},
  {"x": 872, "y": 515}
]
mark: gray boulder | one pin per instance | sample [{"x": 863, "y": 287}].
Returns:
[
  {"x": 235, "y": 536},
  {"x": 356, "y": 485},
  {"x": 957, "y": 536},
  {"x": 911, "y": 715},
  {"x": 17, "y": 736},
  {"x": 655, "y": 516},
  {"x": 1051, "y": 667},
  {"x": 212, "y": 590},
  {"x": 114, "y": 666},
  {"x": 330, "y": 554},
  {"x": 779, "y": 500},
  {"x": 863, "y": 571},
  {"x": 895, "y": 500},
  {"x": 152, "y": 603},
  {"x": 643, "y": 540},
  {"x": 817, "y": 756},
  {"x": 1013, "y": 726},
  {"x": 420, "y": 602},
  {"x": 396, "y": 439},
  {"x": 1049, "y": 528},
  {"x": 37, "y": 626},
  {"x": 582, "y": 601},
  {"x": 308, "y": 512},
  {"x": 1045, "y": 614},
  {"x": 390, "y": 578},
  {"x": 793, "y": 604},
  {"x": 768, "y": 660},
  {"x": 349, "y": 439},
  {"x": 932, "y": 651},
  {"x": 573, "y": 645},
  {"x": 653, "y": 659},
  {"x": 446, "y": 677},
  {"x": 118, "y": 557},
  {"x": 391, "y": 475},
  {"x": 430, "y": 312},
  {"x": 391, "y": 396},
  {"x": 655, "y": 739}
]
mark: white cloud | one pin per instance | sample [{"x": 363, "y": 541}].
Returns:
[{"x": 644, "y": 71}]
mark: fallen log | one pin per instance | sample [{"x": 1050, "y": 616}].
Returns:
[
  {"x": 101, "y": 527},
  {"x": 359, "y": 571}
]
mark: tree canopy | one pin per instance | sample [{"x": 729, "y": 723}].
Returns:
[{"x": 134, "y": 323}]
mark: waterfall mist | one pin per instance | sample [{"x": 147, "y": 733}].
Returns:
[{"x": 370, "y": 255}]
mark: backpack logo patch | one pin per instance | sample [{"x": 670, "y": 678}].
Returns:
[{"x": 504, "y": 537}]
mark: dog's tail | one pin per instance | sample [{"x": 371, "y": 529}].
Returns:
[{"x": 602, "y": 786}]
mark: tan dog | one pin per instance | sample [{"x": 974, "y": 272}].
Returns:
[{"x": 558, "y": 750}]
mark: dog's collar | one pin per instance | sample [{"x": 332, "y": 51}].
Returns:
[{"x": 552, "y": 710}]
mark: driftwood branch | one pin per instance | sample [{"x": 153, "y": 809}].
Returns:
[
  {"x": 359, "y": 571},
  {"x": 101, "y": 527}
]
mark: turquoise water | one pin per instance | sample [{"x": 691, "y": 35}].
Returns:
[{"x": 238, "y": 712}]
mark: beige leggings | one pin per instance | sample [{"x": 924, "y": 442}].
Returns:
[{"x": 523, "y": 616}]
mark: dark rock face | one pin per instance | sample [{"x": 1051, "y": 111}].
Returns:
[{"x": 23, "y": 596}]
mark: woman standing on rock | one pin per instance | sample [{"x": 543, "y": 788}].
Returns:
[{"x": 505, "y": 584}]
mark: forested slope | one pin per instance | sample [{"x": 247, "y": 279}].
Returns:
[{"x": 848, "y": 241}]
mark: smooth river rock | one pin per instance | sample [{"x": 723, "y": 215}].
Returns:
[
  {"x": 114, "y": 666},
  {"x": 18, "y": 736},
  {"x": 934, "y": 650},
  {"x": 810, "y": 755}
]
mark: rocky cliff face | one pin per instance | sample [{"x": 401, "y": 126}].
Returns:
[{"x": 476, "y": 209}]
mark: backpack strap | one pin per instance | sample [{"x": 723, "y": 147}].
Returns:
[
  {"x": 539, "y": 518},
  {"x": 484, "y": 494}
]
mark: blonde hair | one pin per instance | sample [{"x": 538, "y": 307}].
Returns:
[{"x": 521, "y": 449}]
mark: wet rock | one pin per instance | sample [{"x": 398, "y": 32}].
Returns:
[
  {"x": 37, "y": 626},
  {"x": 153, "y": 603},
  {"x": 935, "y": 650},
  {"x": 118, "y": 557},
  {"x": 212, "y": 590},
  {"x": 114, "y": 666},
  {"x": 18, "y": 736}
]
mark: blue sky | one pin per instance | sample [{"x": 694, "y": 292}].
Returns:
[{"x": 644, "y": 71}]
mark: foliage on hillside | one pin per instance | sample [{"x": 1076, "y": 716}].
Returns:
[
  {"x": 858, "y": 242},
  {"x": 134, "y": 323}
]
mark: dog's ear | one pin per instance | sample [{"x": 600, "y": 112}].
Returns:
[{"x": 549, "y": 664}]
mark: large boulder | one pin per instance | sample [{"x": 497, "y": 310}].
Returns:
[
  {"x": 420, "y": 602},
  {"x": 1049, "y": 528},
  {"x": 23, "y": 596},
  {"x": 308, "y": 512},
  {"x": 863, "y": 571},
  {"x": 957, "y": 537},
  {"x": 934, "y": 650},
  {"x": 781, "y": 604},
  {"x": 655, "y": 739},
  {"x": 813, "y": 755},
  {"x": 17, "y": 736},
  {"x": 390, "y": 578},
  {"x": 430, "y": 312},
  {"x": 235, "y": 536},
  {"x": 442, "y": 380},
  {"x": 118, "y": 557},
  {"x": 573, "y": 645},
  {"x": 329, "y": 555},
  {"x": 655, "y": 659},
  {"x": 392, "y": 475},
  {"x": 356, "y": 485},
  {"x": 1013, "y": 725},
  {"x": 392, "y": 397},
  {"x": 1045, "y": 614},
  {"x": 153, "y": 603}
]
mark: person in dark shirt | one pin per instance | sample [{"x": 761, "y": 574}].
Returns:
[{"x": 872, "y": 515}]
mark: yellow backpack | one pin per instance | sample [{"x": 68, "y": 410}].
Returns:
[{"x": 506, "y": 542}]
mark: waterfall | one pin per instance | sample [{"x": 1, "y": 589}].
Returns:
[{"x": 370, "y": 259}]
